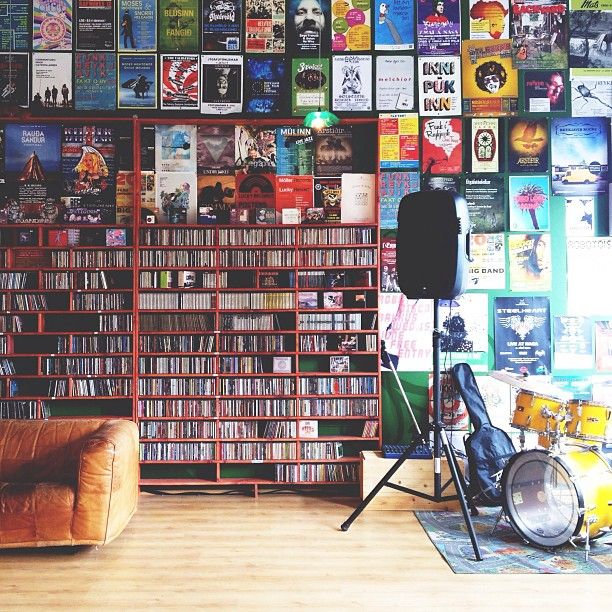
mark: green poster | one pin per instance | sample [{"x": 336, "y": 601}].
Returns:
[
  {"x": 178, "y": 25},
  {"x": 309, "y": 85}
]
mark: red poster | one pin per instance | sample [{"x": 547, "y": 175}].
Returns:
[{"x": 442, "y": 146}]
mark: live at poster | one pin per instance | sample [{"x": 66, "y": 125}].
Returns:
[
  {"x": 294, "y": 150},
  {"x": 485, "y": 196},
  {"x": 52, "y": 25},
  {"x": 352, "y": 84},
  {"x": 439, "y": 86},
  {"x": 180, "y": 83},
  {"x": 522, "y": 335},
  {"x": 265, "y": 26},
  {"x": 221, "y": 21},
  {"x": 392, "y": 187},
  {"x": 264, "y": 88},
  {"x": 14, "y": 25},
  {"x": 137, "y": 81},
  {"x": 527, "y": 145},
  {"x": 438, "y": 27},
  {"x": 14, "y": 79},
  {"x": 489, "y": 19},
  {"x": 52, "y": 81},
  {"x": 178, "y": 26},
  {"x": 394, "y": 83},
  {"x": 221, "y": 84},
  {"x": 394, "y": 28},
  {"x": 137, "y": 25},
  {"x": 351, "y": 26},
  {"x": 442, "y": 150},
  {"x": 95, "y": 81},
  {"x": 95, "y": 25}
]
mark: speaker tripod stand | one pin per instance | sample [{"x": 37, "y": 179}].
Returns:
[{"x": 441, "y": 445}]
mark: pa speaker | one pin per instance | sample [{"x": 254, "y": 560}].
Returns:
[{"x": 433, "y": 244}]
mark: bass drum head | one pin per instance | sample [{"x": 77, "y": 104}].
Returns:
[{"x": 540, "y": 499}]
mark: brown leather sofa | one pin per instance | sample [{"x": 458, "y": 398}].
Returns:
[{"x": 66, "y": 481}]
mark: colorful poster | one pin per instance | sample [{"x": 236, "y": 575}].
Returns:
[
  {"x": 308, "y": 27},
  {"x": 438, "y": 27},
  {"x": 175, "y": 148},
  {"x": 591, "y": 95},
  {"x": 137, "y": 25},
  {"x": 95, "y": 81},
  {"x": 590, "y": 24},
  {"x": 573, "y": 343},
  {"x": 52, "y": 25},
  {"x": 310, "y": 85},
  {"x": 388, "y": 262},
  {"x": 527, "y": 145},
  {"x": 176, "y": 196},
  {"x": 124, "y": 190},
  {"x": 351, "y": 26},
  {"x": 489, "y": 19},
  {"x": 179, "y": 82},
  {"x": 522, "y": 335},
  {"x": 490, "y": 82},
  {"x": 529, "y": 200},
  {"x": 579, "y": 211},
  {"x": 254, "y": 191},
  {"x": 255, "y": 150},
  {"x": 352, "y": 83},
  {"x": 221, "y": 84},
  {"x": 14, "y": 25},
  {"x": 52, "y": 81},
  {"x": 530, "y": 262},
  {"x": 264, "y": 88},
  {"x": 544, "y": 91},
  {"x": 394, "y": 83},
  {"x": 398, "y": 141},
  {"x": 333, "y": 152},
  {"x": 294, "y": 150},
  {"x": 392, "y": 187},
  {"x": 221, "y": 21},
  {"x": 179, "y": 29},
  {"x": 216, "y": 149},
  {"x": 487, "y": 268},
  {"x": 265, "y": 26},
  {"x": 137, "y": 81},
  {"x": 394, "y": 27},
  {"x": 439, "y": 86},
  {"x": 485, "y": 196},
  {"x": 442, "y": 150},
  {"x": 579, "y": 155},
  {"x": 539, "y": 33},
  {"x": 295, "y": 192},
  {"x": 328, "y": 197},
  {"x": 15, "y": 80},
  {"x": 95, "y": 25},
  {"x": 486, "y": 149}
]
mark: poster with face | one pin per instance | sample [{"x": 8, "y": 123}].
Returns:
[{"x": 438, "y": 27}]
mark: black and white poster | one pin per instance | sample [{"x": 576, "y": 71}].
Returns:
[
  {"x": 221, "y": 84},
  {"x": 352, "y": 83},
  {"x": 95, "y": 25},
  {"x": 395, "y": 83}
]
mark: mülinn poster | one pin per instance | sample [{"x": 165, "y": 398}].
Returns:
[
  {"x": 179, "y": 81},
  {"x": 528, "y": 202},
  {"x": 392, "y": 187},
  {"x": 137, "y": 25},
  {"x": 264, "y": 26},
  {"x": 394, "y": 26},
  {"x": 351, "y": 25},
  {"x": 221, "y": 84},
  {"x": 294, "y": 150},
  {"x": 52, "y": 25},
  {"x": 179, "y": 26},
  {"x": 310, "y": 85},
  {"x": 573, "y": 343},
  {"x": 442, "y": 150},
  {"x": 136, "y": 81},
  {"x": 95, "y": 25},
  {"x": 486, "y": 146},
  {"x": 399, "y": 141},
  {"x": 487, "y": 268},
  {"x": 439, "y": 86},
  {"x": 522, "y": 335},
  {"x": 394, "y": 83},
  {"x": 485, "y": 196},
  {"x": 95, "y": 81},
  {"x": 530, "y": 262},
  {"x": 489, "y": 19},
  {"x": 438, "y": 27},
  {"x": 14, "y": 79},
  {"x": 14, "y": 25},
  {"x": 221, "y": 21},
  {"x": 527, "y": 145},
  {"x": 352, "y": 83}
]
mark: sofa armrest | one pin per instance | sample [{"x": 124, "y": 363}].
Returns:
[{"x": 107, "y": 482}]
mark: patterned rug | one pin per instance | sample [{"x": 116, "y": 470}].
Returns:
[{"x": 504, "y": 552}]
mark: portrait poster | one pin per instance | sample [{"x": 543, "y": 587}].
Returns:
[
  {"x": 544, "y": 91},
  {"x": 392, "y": 187},
  {"x": 294, "y": 150},
  {"x": 589, "y": 45},
  {"x": 308, "y": 26},
  {"x": 439, "y": 86},
  {"x": 490, "y": 82},
  {"x": 485, "y": 196},
  {"x": 442, "y": 146},
  {"x": 394, "y": 83},
  {"x": 438, "y": 27},
  {"x": 136, "y": 81},
  {"x": 522, "y": 335},
  {"x": 603, "y": 345},
  {"x": 573, "y": 343},
  {"x": 394, "y": 27},
  {"x": 579, "y": 216},
  {"x": 95, "y": 25},
  {"x": 486, "y": 145},
  {"x": 530, "y": 262},
  {"x": 265, "y": 90},
  {"x": 52, "y": 25},
  {"x": 351, "y": 25},
  {"x": 489, "y": 19},
  {"x": 216, "y": 149},
  {"x": 137, "y": 25},
  {"x": 591, "y": 95},
  {"x": 265, "y": 26},
  {"x": 179, "y": 82},
  {"x": 398, "y": 141},
  {"x": 487, "y": 268},
  {"x": 527, "y": 145},
  {"x": 579, "y": 155},
  {"x": 15, "y": 25},
  {"x": 52, "y": 81},
  {"x": 15, "y": 80},
  {"x": 310, "y": 85},
  {"x": 95, "y": 81},
  {"x": 176, "y": 197},
  {"x": 221, "y": 84},
  {"x": 333, "y": 151},
  {"x": 221, "y": 22},
  {"x": 175, "y": 148},
  {"x": 352, "y": 83},
  {"x": 529, "y": 203},
  {"x": 179, "y": 30}
]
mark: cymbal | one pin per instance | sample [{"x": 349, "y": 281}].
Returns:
[{"x": 536, "y": 384}]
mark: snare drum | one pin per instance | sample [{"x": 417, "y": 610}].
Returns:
[
  {"x": 589, "y": 421},
  {"x": 539, "y": 413}
]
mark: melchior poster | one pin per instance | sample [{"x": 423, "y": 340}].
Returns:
[
  {"x": 439, "y": 86},
  {"x": 394, "y": 83}
]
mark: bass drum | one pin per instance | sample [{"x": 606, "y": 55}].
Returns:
[{"x": 552, "y": 498}]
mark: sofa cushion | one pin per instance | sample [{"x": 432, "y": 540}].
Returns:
[{"x": 31, "y": 513}]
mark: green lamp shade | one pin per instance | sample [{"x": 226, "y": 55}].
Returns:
[{"x": 317, "y": 120}]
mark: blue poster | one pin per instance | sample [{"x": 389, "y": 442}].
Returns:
[
  {"x": 136, "y": 81},
  {"x": 95, "y": 81},
  {"x": 393, "y": 186},
  {"x": 263, "y": 90},
  {"x": 14, "y": 31},
  {"x": 136, "y": 25},
  {"x": 438, "y": 27},
  {"x": 23, "y": 143},
  {"x": 294, "y": 150},
  {"x": 394, "y": 27},
  {"x": 529, "y": 203}
]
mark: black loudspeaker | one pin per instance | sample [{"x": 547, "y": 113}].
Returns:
[{"x": 433, "y": 244}]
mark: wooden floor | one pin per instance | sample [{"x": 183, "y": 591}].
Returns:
[{"x": 279, "y": 551}]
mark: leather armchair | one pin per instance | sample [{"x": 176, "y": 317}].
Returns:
[{"x": 66, "y": 481}]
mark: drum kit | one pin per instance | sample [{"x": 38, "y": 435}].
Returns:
[{"x": 561, "y": 491}]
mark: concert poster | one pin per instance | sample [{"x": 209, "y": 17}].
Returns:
[
  {"x": 137, "y": 81},
  {"x": 544, "y": 91},
  {"x": 175, "y": 148},
  {"x": 14, "y": 25},
  {"x": 527, "y": 145},
  {"x": 399, "y": 141},
  {"x": 573, "y": 343},
  {"x": 489, "y": 19},
  {"x": 294, "y": 150},
  {"x": 179, "y": 26},
  {"x": 95, "y": 81},
  {"x": 216, "y": 149},
  {"x": 255, "y": 191},
  {"x": 52, "y": 82},
  {"x": 487, "y": 267},
  {"x": 221, "y": 84},
  {"x": 522, "y": 335},
  {"x": 310, "y": 85},
  {"x": 137, "y": 25},
  {"x": 485, "y": 196},
  {"x": 265, "y": 26},
  {"x": 442, "y": 146},
  {"x": 438, "y": 27},
  {"x": 95, "y": 25},
  {"x": 352, "y": 83},
  {"x": 179, "y": 82},
  {"x": 221, "y": 21},
  {"x": 52, "y": 25},
  {"x": 333, "y": 151},
  {"x": 264, "y": 87},
  {"x": 328, "y": 197},
  {"x": 306, "y": 29},
  {"x": 392, "y": 187},
  {"x": 295, "y": 192},
  {"x": 487, "y": 149},
  {"x": 394, "y": 27},
  {"x": 351, "y": 26},
  {"x": 14, "y": 79},
  {"x": 388, "y": 262},
  {"x": 216, "y": 197},
  {"x": 529, "y": 203},
  {"x": 439, "y": 86},
  {"x": 394, "y": 83}
]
